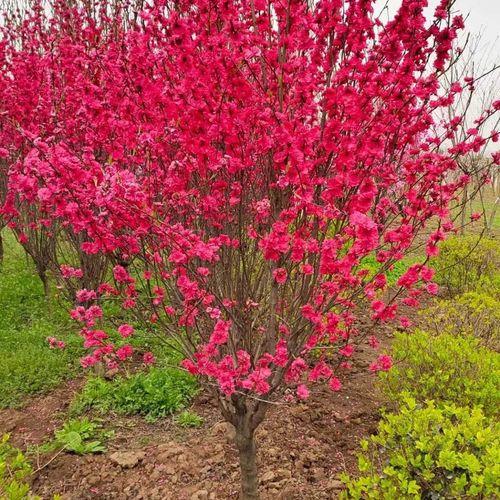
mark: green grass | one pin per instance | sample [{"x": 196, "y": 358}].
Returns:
[
  {"x": 28, "y": 365},
  {"x": 394, "y": 273},
  {"x": 484, "y": 204}
]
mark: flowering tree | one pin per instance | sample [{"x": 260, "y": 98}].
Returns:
[{"x": 237, "y": 161}]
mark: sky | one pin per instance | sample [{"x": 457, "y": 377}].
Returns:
[{"x": 484, "y": 16}]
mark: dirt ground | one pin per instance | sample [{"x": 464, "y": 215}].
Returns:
[{"x": 302, "y": 447}]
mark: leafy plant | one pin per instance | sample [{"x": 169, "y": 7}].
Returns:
[
  {"x": 468, "y": 263},
  {"x": 445, "y": 367},
  {"x": 80, "y": 436},
  {"x": 189, "y": 419},
  {"x": 431, "y": 453},
  {"x": 154, "y": 394},
  {"x": 473, "y": 313},
  {"x": 14, "y": 470}
]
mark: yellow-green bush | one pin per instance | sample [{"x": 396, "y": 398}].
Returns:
[
  {"x": 444, "y": 368},
  {"x": 429, "y": 452},
  {"x": 14, "y": 469},
  {"x": 468, "y": 263},
  {"x": 472, "y": 313}
]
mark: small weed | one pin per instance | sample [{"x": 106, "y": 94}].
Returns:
[
  {"x": 189, "y": 419},
  {"x": 80, "y": 436}
]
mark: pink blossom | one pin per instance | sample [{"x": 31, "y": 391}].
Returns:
[
  {"x": 203, "y": 271},
  {"x": 383, "y": 363},
  {"x": 148, "y": 358},
  {"x": 280, "y": 275},
  {"x": 125, "y": 330},
  {"x": 70, "y": 272},
  {"x": 121, "y": 275},
  {"x": 124, "y": 352},
  {"x": 281, "y": 354},
  {"x": 213, "y": 312},
  {"x": 220, "y": 333},
  {"x": 302, "y": 392},
  {"x": 85, "y": 295},
  {"x": 347, "y": 350},
  {"x": 405, "y": 322},
  {"x": 307, "y": 269},
  {"x": 55, "y": 344},
  {"x": 427, "y": 273},
  {"x": 335, "y": 384},
  {"x": 190, "y": 366},
  {"x": 88, "y": 361}
]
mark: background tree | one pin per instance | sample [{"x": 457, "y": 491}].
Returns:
[{"x": 477, "y": 66}]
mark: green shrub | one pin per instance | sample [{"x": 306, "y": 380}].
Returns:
[
  {"x": 431, "y": 453},
  {"x": 155, "y": 393},
  {"x": 472, "y": 313},
  {"x": 467, "y": 264},
  {"x": 14, "y": 469},
  {"x": 189, "y": 419},
  {"x": 446, "y": 367}
]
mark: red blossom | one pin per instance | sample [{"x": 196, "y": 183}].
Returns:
[
  {"x": 302, "y": 392},
  {"x": 280, "y": 275},
  {"x": 148, "y": 358},
  {"x": 124, "y": 352},
  {"x": 125, "y": 330}
]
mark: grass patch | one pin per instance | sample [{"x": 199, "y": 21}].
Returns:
[
  {"x": 28, "y": 365},
  {"x": 154, "y": 394},
  {"x": 394, "y": 273}
]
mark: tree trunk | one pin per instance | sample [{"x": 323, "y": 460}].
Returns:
[
  {"x": 463, "y": 208},
  {"x": 245, "y": 442},
  {"x": 491, "y": 219},
  {"x": 42, "y": 273},
  {"x": 1, "y": 248}
]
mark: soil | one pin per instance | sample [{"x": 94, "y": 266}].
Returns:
[{"x": 302, "y": 447}]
